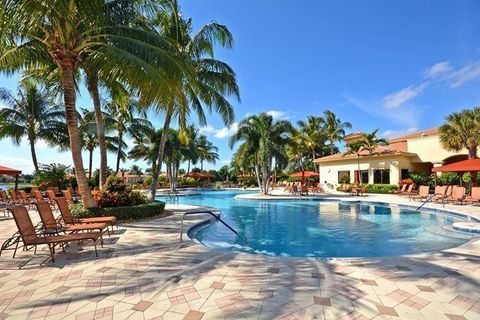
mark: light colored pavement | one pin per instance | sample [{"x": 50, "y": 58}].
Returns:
[{"x": 144, "y": 272}]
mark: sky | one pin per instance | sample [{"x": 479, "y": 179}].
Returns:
[{"x": 396, "y": 66}]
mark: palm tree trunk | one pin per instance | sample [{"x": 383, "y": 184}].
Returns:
[
  {"x": 161, "y": 149},
  {"x": 68, "y": 86},
  {"x": 119, "y": 151},
  {"x": 472, "y": 154},
  {"x": 331, "y": 147},
  {"x": 90, "y": 158},
  {"x": 92, "y": 84},
  {"x": 314, "y": 155},
  {"x": 34, "y": 154},
  {"x": 369, "y": 166},
  {"x": 201, "y": 165},
  {"x": 259, "y": 182},
  {"x": 359, "y": 173},
  {"x": 188, "y": 167}
]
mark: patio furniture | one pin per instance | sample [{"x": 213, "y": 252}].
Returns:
[
  {"x": 13, "y": 195},
  {"x": 4, "y": 197},
  {"x": 69, "y": 219},
  {"x": 410, "y": 192},
  {"x": 37, "y": 195},
  {"x": 474, "y": 197},
  {"x": 31, "y": 238},
  {"x": 423, "y": 194},
  {"x": 458, "y": 195},
  {"x": 402, "y": 189},
  {"x": 67, "y": 194},
  {"x": 50, "y": 225},
  {"x": 25, "y": 198},
  {"x": 304, "y": 191}
]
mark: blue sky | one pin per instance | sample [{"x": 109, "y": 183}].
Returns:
[{"x": 398, "y": 66}]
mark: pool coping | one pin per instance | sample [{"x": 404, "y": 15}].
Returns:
[{"x": 474, "y": 237}]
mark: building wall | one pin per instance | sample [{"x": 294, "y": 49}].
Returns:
[
  {"x": 429, "y": 149},
  {"x": 329, "y": 170}
]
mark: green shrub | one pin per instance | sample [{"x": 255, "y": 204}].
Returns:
[
  {"x": 381, "y": 188},
  {"x": 116, "y": 193},
  {"x": 141, "y": 211},
  {"x": 449, "y": 178},
  {"x": 52, "y": 175},
  {"x": 422, "y": 178}
]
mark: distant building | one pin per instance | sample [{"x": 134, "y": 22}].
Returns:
[
  {"x": 416, "y": 152},
  {"x": 130, "y": 178}
]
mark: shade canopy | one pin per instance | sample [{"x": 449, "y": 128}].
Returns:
[
  {"x": 305, "y": 174},
  {"x": 461, "y": 166},
  {"x": 7, "y": 170}
]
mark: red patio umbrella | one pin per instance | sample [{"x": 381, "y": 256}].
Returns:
[
  {"x": 304, "y": 174},
  {"x": 470, "y": 165}
]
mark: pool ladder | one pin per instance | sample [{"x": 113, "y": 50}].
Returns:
[
  {"x": 216, "y": 216},
  {"x": 429, "y": 199}
]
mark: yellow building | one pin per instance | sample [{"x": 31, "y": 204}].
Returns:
[{"x": 415, "y": 152}]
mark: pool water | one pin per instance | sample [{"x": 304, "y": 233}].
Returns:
[{"x": 320, "y": 228}]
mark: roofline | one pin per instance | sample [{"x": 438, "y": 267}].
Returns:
[{"x": 400, "y": 153}]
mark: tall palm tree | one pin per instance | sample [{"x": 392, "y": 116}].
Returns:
[
  {"x": 334, "y": 128},
  {"x": 207, "y": 151},
  {"x": 312, "y": 134},
  {"x": 30, "y": 113},
  {"x": 121, "y": 115},
  {"x": 370, "y": 143},
  {"x": 191, "y": 154},
  {"x": 355, "y": 148},
  {"x": 207, "y": 82},
  {"x": 265, "y": 138},
  {"x": 74, "y": 33},
  {"x": 146, "y": 147},
  {"x": 462, "y": 131}
]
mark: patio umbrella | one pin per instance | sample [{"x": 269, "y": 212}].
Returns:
[
  {"x": 10, "y": 171},
  {"x": 304, "y": 174}
]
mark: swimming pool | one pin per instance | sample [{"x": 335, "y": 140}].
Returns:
[{"x": 320, "y": 228}]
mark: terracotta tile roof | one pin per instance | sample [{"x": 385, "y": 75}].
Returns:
[{"x": 396, "y": 146}]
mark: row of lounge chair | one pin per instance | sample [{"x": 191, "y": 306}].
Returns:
[
  {"x": 55, "y": 232},
  {"x": 444, "y": 194},
  {"x": 296, "y": 188},
  {"x": 21, "y": 197}
]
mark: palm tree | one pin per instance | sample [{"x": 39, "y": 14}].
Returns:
[
  {"x": 31, "y": 114},
  {"x": 121, "y": 116},
  {"x": 205, "y": 84},
  {"x": 146, "y": 147},
  {"x": 312, "y": 134},
  {"x": 265, "y": 139},
  {"x": 355, "y": 148},
  {"x": 191, "y": 154},
  {"x": 462, "y": 131},
  {"x": 370, "y": 143},
  {"x": 74, "y": 34},
  {"x": 206, "y": 151},
  {"x": 334, "y": 128}
]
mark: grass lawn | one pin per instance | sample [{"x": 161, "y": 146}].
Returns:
[{"x": 5, "y": 185}]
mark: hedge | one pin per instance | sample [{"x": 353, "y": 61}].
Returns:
[
  {"x": 142, "y": 211},
  {"x": 377, "y": 188}
]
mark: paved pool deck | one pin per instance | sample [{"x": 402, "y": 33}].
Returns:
[{"x": 145, "y": 272}]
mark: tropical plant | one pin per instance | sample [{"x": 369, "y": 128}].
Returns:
[
  {"x": 52, "y": 175},
  {"x": 121, "y": 116},
  {"x": 30, "y": 114},
  {"x": 334, "y": 128},
  {"x": 462, "y": 131},
  {"x": 312, "y": 135},
  {"x": 145, "y": 147},
  {"x": 208, "y": 82},
  {"x": 74, "y": 34},
  {"x": 136, "y": 170},
  {"x": 264, "y": 138},
  {"x": 206, "y": 151},
  {"x": 370, "y": 143},
  {"x": 355, "y": 148}
]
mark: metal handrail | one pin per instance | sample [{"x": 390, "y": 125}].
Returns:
[
  {"x": 429, "y": 199},
  {"x": 217, "y": 217}
]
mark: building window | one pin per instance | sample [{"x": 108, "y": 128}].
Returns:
[
  {"x": 343, "y": 176},
  {"x": 364, "y": 176},
  {"x": 381, "y": 176},
  {"x": 404, "y": 174}
]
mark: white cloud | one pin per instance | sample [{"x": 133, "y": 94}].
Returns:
[
  {"x": 226, "y": 132},
  {"x": 437, "y": 69},
  {"x": 24, "y": 164},
  {"x": 207, "y": 129},
  {"x": 277, "y": 115},
  {"x": 397, "y": 133},
  {"x": 226, "y": 161},
  {"x": 469, "y": 72},
  {"x": 396, "y": 99}
]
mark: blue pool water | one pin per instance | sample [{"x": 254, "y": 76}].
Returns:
[{"x": 320, "y": 228}]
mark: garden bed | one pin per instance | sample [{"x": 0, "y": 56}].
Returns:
[{"x": 128, "y": 213}]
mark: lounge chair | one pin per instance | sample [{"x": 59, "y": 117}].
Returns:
[
  {"x": 441, "y": 198},
  {"x": 4, "y": 197},
  {"x": 69, "y": 219},
  {"x": 458, "y": 195},
  {"x": 410, "y": 192},
  {"x": 14, "y": 196},
  {"x": 31, "y": 238},
  {"x": 474, "y": 197},
  {"x": 37, "y": 195},
  {"x": 304, "y": 191},
  {"x": 402, "y": 189},
  {"x": 423, "y": 193},
  {"x": 50, "y": 225},
  {"x": 67, "y": 194},
  {"x": 25, "y": 198}
]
